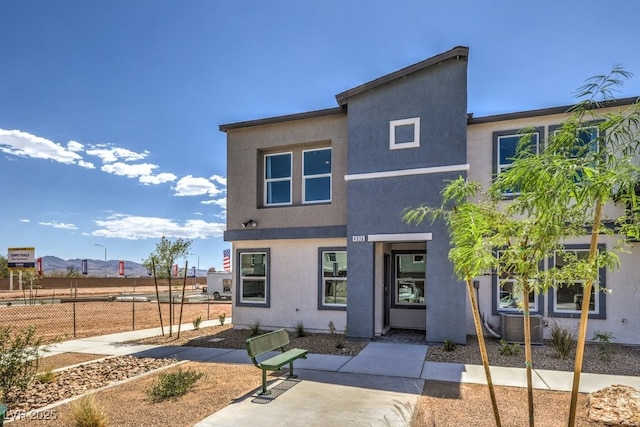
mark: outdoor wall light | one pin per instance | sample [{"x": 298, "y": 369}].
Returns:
[{"x": 249, "y": 224}]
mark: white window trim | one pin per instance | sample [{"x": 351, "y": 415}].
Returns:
[
  {"x": 580, "y": 283},
  {"x": 323, "y": 284},
  {"x": 533, "y": 307},
  {"x": 404, "y": 122},
  {"x": 264, "y": 278},
  {"x": 501, "y": 167},
  {"x": 269, "y": 180},
  {"x": 322, "y": 175},
  {"x": 396, "y": 301}
]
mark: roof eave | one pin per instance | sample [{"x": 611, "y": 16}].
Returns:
[
  {"x": 455, "y": 53},
  {"x": 547, "y": 111},
  {"x": 280, "y": 119}
]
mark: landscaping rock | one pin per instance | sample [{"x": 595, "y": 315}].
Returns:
[{"x": 617, "y": 405}]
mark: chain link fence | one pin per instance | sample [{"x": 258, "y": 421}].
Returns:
[{"x": 66, "y": 317}]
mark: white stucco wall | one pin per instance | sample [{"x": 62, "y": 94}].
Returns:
[
  {"x": 623, "y": 284},
  {"x": 294, "y": 287},
  {"x": 622, "y": 302}
]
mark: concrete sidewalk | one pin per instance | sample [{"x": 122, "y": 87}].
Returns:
[{"x": 379, "y": 386}]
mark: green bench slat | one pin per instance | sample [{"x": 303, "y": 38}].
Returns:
[{"x": 276, "y": 362}]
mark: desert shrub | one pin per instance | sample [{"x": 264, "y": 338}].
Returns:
[
  {"x": 340, "y": 344},
  {"x": 605, "y": 348},
  {"x": 562, "y": 341},
  {"x": 300, "y": 330},
  {"x": 221, "y": 318},
  {"x": 19, "y": 358},
  {"x": 507, "y": 349},
  {"x": 255, "y": 328},
  {"x": 87, "y": 413},
  {"x": 47, "y": 377},
  {"x": 174, "y": 384},
  {"x": 196, "y": 322},
  {"x": 332, "y": 328},
  {"x": 449, "y": 345}
]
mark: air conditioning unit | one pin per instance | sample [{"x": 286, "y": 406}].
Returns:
[{"x": 512, "y": 328}]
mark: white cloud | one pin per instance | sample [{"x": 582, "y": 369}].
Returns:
[
  {"x": 131, "y": 171},
  {"x": 24, "y": 220},
  {"x": 158, "y": 179},
  {"x": 24, "y": 144},
  {"x": 139, "y": 227},
  {"x": 61, "y": 225},
  {"x": 86, "y": 165},
  {"x": 217, "y": 202},
  {"x": 110, "y": 154},
  {"x": 74, "y": 146},
  {"x": 195, "y": 186},
  {"x": 219, "y": 179}
]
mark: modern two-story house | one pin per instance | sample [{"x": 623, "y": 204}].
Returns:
[{"x": 315, "y": 203}]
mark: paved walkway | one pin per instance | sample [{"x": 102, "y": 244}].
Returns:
[{"x": 378, "y": 387}]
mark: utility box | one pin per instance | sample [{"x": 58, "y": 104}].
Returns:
[
  {"x": 512, "y": 328},
  {"x": 219, "y": 284}
]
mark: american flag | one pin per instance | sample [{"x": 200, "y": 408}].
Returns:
[{"x": 226, "y": 260}]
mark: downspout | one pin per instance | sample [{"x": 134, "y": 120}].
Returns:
[{"x": 485, "y": 322}]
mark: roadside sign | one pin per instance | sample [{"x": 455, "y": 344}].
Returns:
[{"x": 21, "y": 258}]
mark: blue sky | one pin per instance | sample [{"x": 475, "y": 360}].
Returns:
[{"x": 109, "y": 111}]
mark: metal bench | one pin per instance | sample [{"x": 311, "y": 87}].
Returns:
[{"x": 276, "y": 340}]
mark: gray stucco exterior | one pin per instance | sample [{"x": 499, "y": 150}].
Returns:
[
  {"x": 373, "y": 182},
  {"x": 437, "y": 95}
]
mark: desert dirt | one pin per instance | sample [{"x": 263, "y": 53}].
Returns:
[{"x": 54, "y": 322}]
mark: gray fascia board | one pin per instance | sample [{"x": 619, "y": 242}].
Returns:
[
  {"x": 548, "y": 111},
  {"x": 455, "y": 53},
  {"x": 325, "y": 232},
  {"x": 280, "y": 119}
]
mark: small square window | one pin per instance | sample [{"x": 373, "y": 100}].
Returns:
[{"x": 404, "y": 133}]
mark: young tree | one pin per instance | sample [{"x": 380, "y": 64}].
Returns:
[
  {"x": 161, "y": 263},
  {"x": 589, "y": 162},
  {"x": 4, "y": 267},
  {"x": 471, "y": 231}
]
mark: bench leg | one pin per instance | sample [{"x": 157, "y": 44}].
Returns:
[
  {"x": 264, "y": 383},
  {"x": 291, "y": 370}
]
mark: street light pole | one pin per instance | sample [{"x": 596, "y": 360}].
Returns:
[
  {"x": 105, "y": 257},
  {"x": 198, "y": 270}
]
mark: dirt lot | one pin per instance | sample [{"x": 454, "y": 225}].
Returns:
[{"x": 90, "y": 318}]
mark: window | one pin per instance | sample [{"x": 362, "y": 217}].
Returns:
[
  {"x": 316, "y": 175},
  {"x": 508, "y": 295},
  {"x": 565, "y": 299},
  {"x": 333, "y": 278},
  {"x": 410, "y": 274},
  {"x": 506, "y": 145},
  {"x": 404, "y": 133},
  {"x": 277, "y": 180},
  {"x": 253, "y": 286},
  {"x": 586, "y": 140}
]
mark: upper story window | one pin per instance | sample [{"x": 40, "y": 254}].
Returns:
[
  {"x": 506, "y": 146},
  {"x": 316, "y": 175},
  {"x": 404, "y": 133},
  {"x": 277, "y": 179},
  {"x": 584, "y": 142}
]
